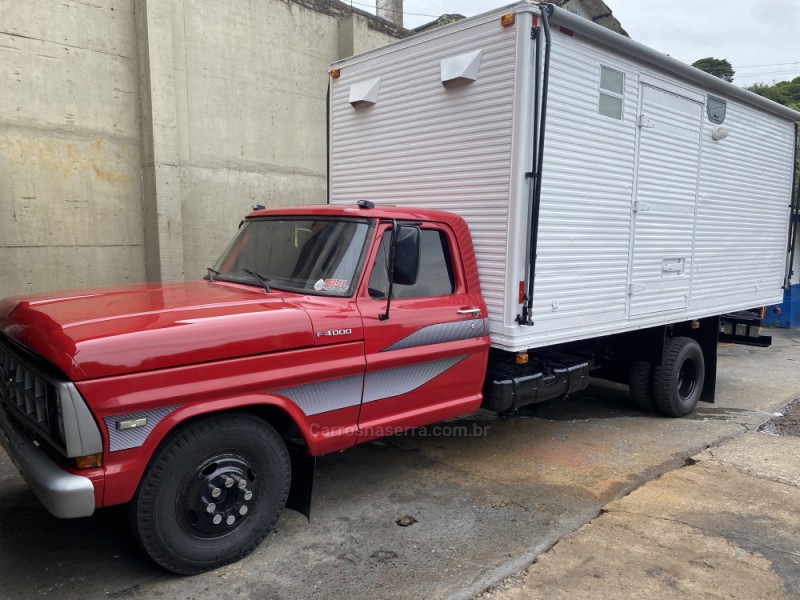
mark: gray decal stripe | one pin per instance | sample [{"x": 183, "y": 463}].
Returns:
[
  {"x": 334, "y": 394},
  {"x": 440, "y": 333},
  {"x": 135, "y": 436},
  {"x": 387, "y": 383},
  {"x": 323, "y": 396}
]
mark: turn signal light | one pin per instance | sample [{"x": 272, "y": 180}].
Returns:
[
  {"x": 507, "y": 20},
  {"x": 334, "y": 73},
  {"x": 88, "y": 462},
  {"x": 522, "y": 358}
]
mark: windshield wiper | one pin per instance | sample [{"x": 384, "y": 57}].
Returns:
[
  {"x": 212, "y": 273},
  {"x": 261, "y": 279}
]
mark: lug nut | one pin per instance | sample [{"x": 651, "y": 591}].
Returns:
[
  {"x": 230, "y": 520},
  {"x": 215, "y": 492},
  {"x": 243, "y": 511},
  {"x": 217, "y": 519},
  {"x": 211, "y": 507},
  {"x": 248, "y": 494},
  {"x": 242, "y": 484},
  {"x": 229, "y": 482}
]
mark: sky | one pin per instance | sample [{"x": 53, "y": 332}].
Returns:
[{"x": 760, "y": 39}]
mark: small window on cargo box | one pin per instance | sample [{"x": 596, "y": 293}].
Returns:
[
  {"x": 435, "y": 277},
  {"x": 716, "y": 109},
  {"x": 612, "y": 86}
]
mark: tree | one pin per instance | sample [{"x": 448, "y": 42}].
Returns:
[
  {"x": 718, "y": 67},
  {"x": 782, "y": 92}
]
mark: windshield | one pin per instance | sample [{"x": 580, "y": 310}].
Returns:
[{"x": 317, "y": 256}]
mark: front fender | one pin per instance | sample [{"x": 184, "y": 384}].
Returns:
[{"x": 167, "y": 398}]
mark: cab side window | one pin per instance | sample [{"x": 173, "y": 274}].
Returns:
[{"x": 435, "y": 269}]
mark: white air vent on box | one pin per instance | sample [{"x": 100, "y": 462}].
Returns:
[
  {"x": 365, "y": 93},
  {"x": 462, "y": 68}
]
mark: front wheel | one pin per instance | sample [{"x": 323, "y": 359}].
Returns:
[
  {"x": 678, "y": 381},
  {"x": 211, "y": 494}
]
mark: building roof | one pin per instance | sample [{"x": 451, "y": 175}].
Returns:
[
  {"x": 443, "y": 20},
  {"x": 598, "y": 12},
  {"x": 340, "y": 10},
  {"x": 595, "y": 10}
]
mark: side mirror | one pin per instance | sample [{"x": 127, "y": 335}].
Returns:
[{"x": 406, "y": 255}]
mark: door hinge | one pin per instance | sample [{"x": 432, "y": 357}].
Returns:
[
  {"x": 640, "y": 206},
  {"x": 636, "y": 287},
  {"x": 645, "y": 122}
]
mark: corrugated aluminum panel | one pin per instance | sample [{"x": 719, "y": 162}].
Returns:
[
  {"x": 667, "y": 165},
  {"x": 716, "y": 244},
  {"x": 426, "y": 145},
  {"x": 585, "y": 218},
  {"x": 742, "y": 217}
]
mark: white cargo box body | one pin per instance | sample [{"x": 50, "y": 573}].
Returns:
[{"x": 651, "y": 213}]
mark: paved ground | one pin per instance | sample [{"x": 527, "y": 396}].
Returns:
[
  {"x": 728, "y": 526},
  {"x": 487, "y": 502}
]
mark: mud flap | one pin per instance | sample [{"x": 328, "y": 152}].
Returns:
[
  {"x": 300, "y": 492},
  {"x": 708, "y": 338}
]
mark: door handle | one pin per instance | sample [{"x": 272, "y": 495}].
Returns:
[{"x": 469, "y": 311}]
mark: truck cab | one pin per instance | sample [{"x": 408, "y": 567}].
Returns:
[{"x": 203, "y": 403}]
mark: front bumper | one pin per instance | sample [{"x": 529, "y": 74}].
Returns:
[{"x": 65, "y": 495}]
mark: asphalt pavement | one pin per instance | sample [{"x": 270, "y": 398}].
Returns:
[{"x": 571, "y": 500}]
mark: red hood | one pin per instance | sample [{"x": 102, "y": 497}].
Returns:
[{"x": 123, "y": 329}]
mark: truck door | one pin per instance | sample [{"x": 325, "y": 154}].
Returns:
[
  {"x": 665, "y": 199},
  {"x": 427, "y": 361}
]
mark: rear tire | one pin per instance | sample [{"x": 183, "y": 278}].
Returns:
[
  {"x": 211, "y": 493},
  {"x": 680, "y": 377},
  {"x": 640, "y": 381}
]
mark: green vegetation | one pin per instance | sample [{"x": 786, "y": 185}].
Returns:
[
  {"x": 718, "y": 67},
  {"x": 783, "y": 92}
]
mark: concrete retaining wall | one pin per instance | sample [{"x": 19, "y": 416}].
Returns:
[
  {"x": 134, "y": 134},
  {"x": 70, "y": 169}
]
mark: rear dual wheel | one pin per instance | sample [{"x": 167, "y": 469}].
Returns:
[
  {"x": 212, "y": 492},
  {"x": 678, "y": 380},
  {"x": 640, "y": 382},
  {"x": 674, "y": 387}
]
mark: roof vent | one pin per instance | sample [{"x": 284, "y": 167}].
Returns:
[
  {"x": 461, "y": 69},
  {"x": 365, "y": 93}
]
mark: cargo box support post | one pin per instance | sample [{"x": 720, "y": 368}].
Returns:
[
  {"x": 535, "y": 175},
  {"x": 794, "y": 204}
]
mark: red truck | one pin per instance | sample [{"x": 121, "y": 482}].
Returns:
[{"x": 203, "y": 403}]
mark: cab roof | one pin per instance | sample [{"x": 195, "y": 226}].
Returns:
[{"x": 354, "y": 211}]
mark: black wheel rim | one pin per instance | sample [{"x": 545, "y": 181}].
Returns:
[
  {"x": 687, "y": 380},
  {"x": 218, "y": 497}
]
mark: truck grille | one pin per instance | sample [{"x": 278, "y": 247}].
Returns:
[{"x": 26, "y": 393}]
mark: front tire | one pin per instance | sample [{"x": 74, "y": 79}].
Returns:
[
  {"x": 212, "y": 492},
  {"x": 680, "y": 377}
]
